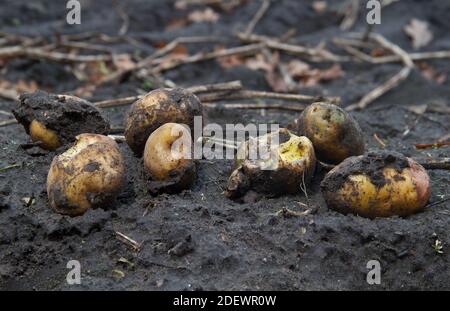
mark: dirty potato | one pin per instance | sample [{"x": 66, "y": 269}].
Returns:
[
  {"x": 157, "y": 108},
  {"x": 377, "y": 184},
  {"x": 88, "y": 175},
  {"x": 333, "y": 132},
  {"x": 55, "y": 120},
  {"x": 287, "y": 161},
  {"x": 168, "y": 159}
]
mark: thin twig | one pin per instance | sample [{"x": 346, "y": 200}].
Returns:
[
  {"x": 378, "y": 139},
  {"x": 351, "y": 15},
  {"x": 239, "y": 50},
  {"x": 350, "y": 44},
  {"x": 216, "y": 87},
  {"x": 124, "y": 16},
  {"x": 314, "y": 54},
  {"x": 274, "y": 106},
  {"x": 39, "y": 53},
  {"x": 433, "y": 145},
  {"x": 8, "y": 167},
  {"x": 8, "y": 122},
  {"x": 127, "y": 240},
  {"x": 9, "y": 94},
  {"x": 250, "y": 94},
  {"x": 392, "y": 82},
  {"x": 6, "y": 113},
  {"x": 304, "y": 189},
  {"x": 286, "y": 212},
  {"x": 434, "y": 164},
  {"x": 438, "y": 202},
  {"x": 258, "y": 16},
  {"x": 226, "y": 86}
]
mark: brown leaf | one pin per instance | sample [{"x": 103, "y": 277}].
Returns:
[
  {"x": 20, "y": 86},
  {"x": 311, "y": 77},
  {"x": 231, "y": 61},
  {"x": 207, "y": 15},
  {"x": 431, "y": 74},
  {"x": 419, "y": 33},
  {"x": 124, "y": 62},
  {"x": 332, "y": 73},
  {"x": 176, "y": 23},
  {"x": 259, "y": 62},
  {"x": 297, "y": 68}
]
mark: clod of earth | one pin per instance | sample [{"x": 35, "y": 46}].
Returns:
[
  {"x": 333, "y": 132},
  {"x": 377, "y": 184},
  {"x": 88, "y": 175},
  {"x": 285, "y": 167},
  {"x": 55, "y": 120},
  {"x": 168, "y": 159},
  {"x": 158, "y": 107}
]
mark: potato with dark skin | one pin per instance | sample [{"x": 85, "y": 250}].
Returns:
[
  {"x": 333, "y": 132},
  {"x": 291, "y": 163},
  {"x": 168, "y": 159},
  {"x": 377, "y": 184},
  {"x": 54, "y": 121},
  {"x": 158, "y": 107},
  {"x": 90, "y": 174}
]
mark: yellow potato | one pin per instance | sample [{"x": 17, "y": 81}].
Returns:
[
  {"x": 291, "y": 162},
  {"x": 48, "y": 138},
  {"x": 88, "y": 175},
  {"x": 55, "y": 120},
  {"x": 377, "y": 184},
  {"x": 157, "y": 108},
  {"x": 333, "y": 132},
  {"x": 168, "y": 159}
]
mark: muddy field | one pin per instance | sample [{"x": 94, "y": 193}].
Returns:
[{"x": 221, "y": 244}]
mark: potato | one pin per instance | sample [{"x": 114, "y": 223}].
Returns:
[
  {"x": 157, "y": 108},
  {"x": 88, "y": 175},
  {"x": 48, "y": 138},
  {"x": 377, "y": 184},
  {"x": 55, "y": 120},
  {"x": 333, "y": 132},
  {"x": 168, "y": 159},
  {"x": 292, "y": 161}
]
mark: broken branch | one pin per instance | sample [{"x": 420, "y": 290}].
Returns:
[{"x": 392, "y": 82}]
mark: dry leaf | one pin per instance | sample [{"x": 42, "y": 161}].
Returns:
[
  {"x": 419, "y": 33},
  {"x": 176, "y": 23},
  {"x": 431, "y": 74},
  {"x": 297, "y": 68},
  {"x": 124, "y": 62},
  {"x": 227, "y": 62},
  {"x": 319, "y": 6},
  {"x": 230, "y": 61},
  {"x": 207, "y": 15},
  {"x": 332, "y": 73},
  {"x": 302, "y": 72},
  {"x": 259, "y": 62},
  {"x": 20, "y": 86}
]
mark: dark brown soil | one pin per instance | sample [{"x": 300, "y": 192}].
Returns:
[{"x": 199, "y": 239}]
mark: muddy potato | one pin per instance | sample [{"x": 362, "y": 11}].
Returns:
[
  {"x": 333, "y": 132},
  {"x": 168, "y": 159},
  {"x": 55, "y": 120},
  {"x": 377, "y": 184},
  {"x": 291, "y": 162},
  {"x": 157, "y": 108},
  {"x": 88, "y": 175}
]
